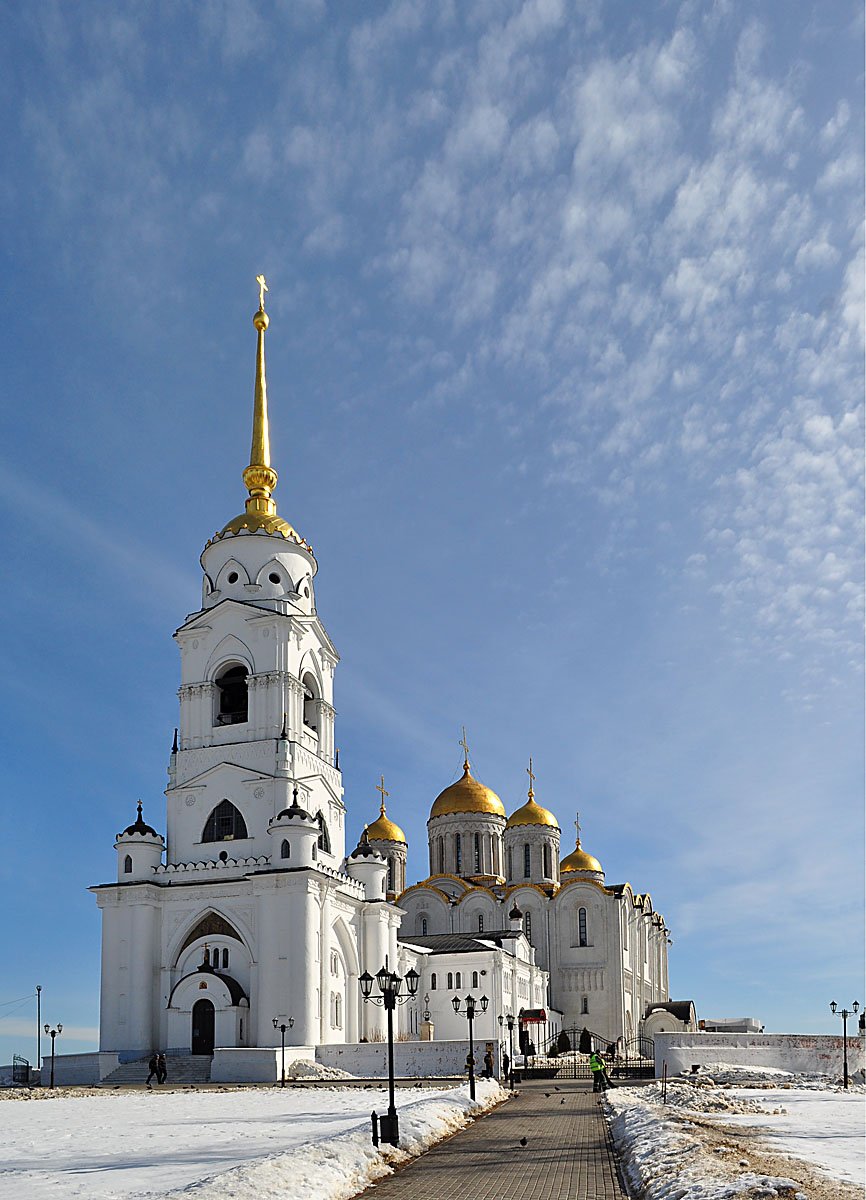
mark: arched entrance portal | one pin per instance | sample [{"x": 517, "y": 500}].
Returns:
[{"x": 202, "y": 1027}]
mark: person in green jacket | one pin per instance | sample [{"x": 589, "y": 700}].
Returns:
[{"x": 598, "y": 1068}]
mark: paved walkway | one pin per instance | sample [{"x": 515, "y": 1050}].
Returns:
[{"x": 568, "y": 1154}]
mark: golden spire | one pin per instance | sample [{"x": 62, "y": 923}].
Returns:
[
  {"x": 260, "y": 477},
  {"x": 465, "y": 746},
  {"x": 381, "y": 790},
  {"x": 531, "y": 793}
]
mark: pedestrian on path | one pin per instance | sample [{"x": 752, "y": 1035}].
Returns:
[
  {"x": 153, "y": 1067},
  {"x": 488, "y": 1064},
  {"x": 597, "y": 1065},
  {"x": 161, "y": 1069},
  {"x": 506, "y": 1066}
]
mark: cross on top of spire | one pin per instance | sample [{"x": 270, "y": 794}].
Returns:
[
  {"x": 577, "y": 826},
  {"x": 380, "y": 788},
  {"x": 263, "y": 287},
  {"x": 531, "y": 779},
  {"x": 463, "y": 742}
]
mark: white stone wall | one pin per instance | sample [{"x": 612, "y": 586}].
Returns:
[
  {"x": 815, "y": 1054},
  {"x": 411, "y": 1059},
  {"x": 79, "y": 1070}
]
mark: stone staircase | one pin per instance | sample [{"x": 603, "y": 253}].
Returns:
[{"x": 183, "y": 1069}]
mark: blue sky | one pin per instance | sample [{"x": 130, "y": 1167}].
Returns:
[{"x": 565, "y": 374}]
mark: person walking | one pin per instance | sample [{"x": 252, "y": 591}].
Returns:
[
  {"x": 153, "y": 1067},
  {"x": 506, "y": 1065},
  {"x": 488, "y": 1064},
  {"x": 599, "y": 1072},
  {"x": 161, "y": 1068}
]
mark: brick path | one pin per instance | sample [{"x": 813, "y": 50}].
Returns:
[{"x": 568, "y": 1155}]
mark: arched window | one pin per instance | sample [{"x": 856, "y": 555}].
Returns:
[
  {"x": 311, "y": 703},
  {"x": 225, "y": 959},
  {"x": 433, "y": 982},
  {"x": 481, "y": 922},
  {"x": 510, "y": 863},
  {"x": 475, "y": 979},
  {"x": 459, "y": 983},
  {"x": 477, "y": 853},
  {"x": 527, "y": 927},
  {"x": 338, "y": 1011},
  {"x": 285, "y": 849},
  {"x": 527, "y": 863},
  {"x": 324, "y": 842},
  {"x": 581, "y": 927},
  {"x": 546, "y": 858},
  {"x": 441, "y": 856},
  {"x": 390, "y": 874},
  {"x": 224, "y": 824},
  {"x": 458, "y": 853},
  {"x": 127, "y": 865},
  {"x": 314, "y": 853},
  {"x": 231, "y": 687},
  {"x": 450, "y": 981},
  {"x": 424, "y": 930}
]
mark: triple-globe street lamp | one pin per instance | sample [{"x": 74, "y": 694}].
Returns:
[
  {"x": 469, "y": 1012},
  {"x": 390, "y": 985},
  {"x": 53, "y": 1033},
  {"x": 283, "y": 1026},
  {"x": 509, "y": 1021},
  {"x": 845, "y": 1014}
]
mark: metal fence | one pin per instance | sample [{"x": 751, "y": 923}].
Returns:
[
  {"x": 567, "y": 1057},
  {"x": 20, "y": 1069}
]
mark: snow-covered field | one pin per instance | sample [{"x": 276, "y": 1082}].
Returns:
[
  {"x": 232, "y": 1144},
  {"x": 724, "y": 1134}
]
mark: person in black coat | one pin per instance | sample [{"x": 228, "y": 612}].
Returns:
[{"x": 153, "y": 1067}]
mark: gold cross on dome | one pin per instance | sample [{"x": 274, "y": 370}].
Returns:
[
  {"x": 465, "y": 746},
  {"x": 263, "y": 287},
  {"x": 577, "y": 826},
  {"x": 531, "y": 776},
  {"x": 380, "y": 788}
]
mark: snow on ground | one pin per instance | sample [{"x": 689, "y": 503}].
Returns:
[
  {"x": 682, "y": 1150},
  {"x": 310, "y": 1144}
]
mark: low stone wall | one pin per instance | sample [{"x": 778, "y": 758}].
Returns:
[
  {"x": 413, "y": 1060},
  {"x": 255, "y": 1064},
  {"x": 73, "y": 1070},
  {"x": 810, "y": 1053}
]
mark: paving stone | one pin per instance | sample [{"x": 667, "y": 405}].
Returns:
[{"x": 568, "y": 1155}]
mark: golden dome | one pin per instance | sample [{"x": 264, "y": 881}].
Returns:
[
  {"x": 579, "y": 860},
  {"x": 384, "y": 829},
  {"x": 532, "y": 814},
  {"x": 467, "y": 795}
]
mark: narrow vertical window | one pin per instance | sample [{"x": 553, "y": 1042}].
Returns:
[
  {"x": 433, "y": 982},
  {"x": 441, "y": 856},
  {"x": 475, "y": 979},
  {"x": 478, "y": 854},
  {"x": 546, "y": 856},
  {"x": 527, "y": 927},
  {"x": 581, "y": 927},
  {"x": 450, "y": 981},
  {"x": 390, "y": 874},
  {"x": 225, "y": 960},
  {"x": 510, "y": 863},
  {"x": 423, "y": 926},
  {"x": 481, "y": 922},
  {"x": 584, "y": 1004},
  {"x": 459, "y": 983},
  {"x": 127, "y": 865},
  {"x": 285, "y": 849},
  {"x": 458, "y": 853},
  {"x": 527, "y": 864}
]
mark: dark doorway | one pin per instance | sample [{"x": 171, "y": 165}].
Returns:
[{"x": 202, "y": 1027}]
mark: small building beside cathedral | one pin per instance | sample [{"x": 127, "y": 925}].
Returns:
[{"x": 251, "y": 911}]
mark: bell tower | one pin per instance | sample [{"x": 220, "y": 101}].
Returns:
[{"x": 257, "y": 677}]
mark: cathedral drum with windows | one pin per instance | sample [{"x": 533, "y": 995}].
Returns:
[{"x": 256, "y": 913}]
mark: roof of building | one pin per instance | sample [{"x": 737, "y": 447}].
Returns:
[
  {"x": 140, "y": 826},
  {"x": 683, "y": 1010},
  {"x": 384, "y": 829},
  {"x": 579, "y": 860},
  {"x": 460, "y": 943},
  {"x": 532, "y": 814}
]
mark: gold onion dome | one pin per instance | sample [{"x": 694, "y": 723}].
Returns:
[
  {"x": 467, "y": 795},
  {"x": 384, "y": 829},
  {"x": 260, "y": 478},
  {"x": 532, "y": 814},
  {"x": 579, "y": 860}
]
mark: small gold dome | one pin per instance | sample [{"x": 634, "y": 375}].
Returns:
[
  {"x": 579, "y": 860},
  {"x": 467, "y": 795},
  {"x": 384, "y": 829},
  {"x": 532, "y": 814}
]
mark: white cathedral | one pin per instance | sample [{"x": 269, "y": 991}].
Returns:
[{"x": 250, "y": 913}]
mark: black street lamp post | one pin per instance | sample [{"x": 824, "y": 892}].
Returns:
[
  {"x": 53, "y": 1033},
  {"x": 390, "y": 985},
  {"x": 283, "y": 1026},
  {"x": 509, "y": 1021},
  {"x": 845, "y": 1014},
  {"x": 469, "y": 1013}
]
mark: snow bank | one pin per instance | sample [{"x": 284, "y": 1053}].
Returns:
[
  {"x": 672, "y": 1151},
  {"x": 302, "y": 1068},
  {"x": 342, "y": 1166}
]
